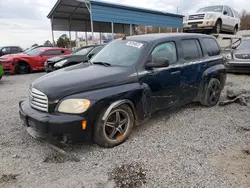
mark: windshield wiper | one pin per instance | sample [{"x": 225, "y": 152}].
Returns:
[{"x": 101, "y": 63}]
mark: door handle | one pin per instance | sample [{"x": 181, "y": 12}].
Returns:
[{"x": 175, "y": 72}]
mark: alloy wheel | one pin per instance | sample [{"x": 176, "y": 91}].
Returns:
[{"x": 116, "y": 125}]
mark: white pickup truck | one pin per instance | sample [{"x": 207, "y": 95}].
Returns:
[{"x": 213, "y": 18}]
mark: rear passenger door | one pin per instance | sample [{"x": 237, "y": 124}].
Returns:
[{"x": 192, "y": 69}]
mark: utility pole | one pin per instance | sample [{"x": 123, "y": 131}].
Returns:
[{"x": 177, "y": 10}]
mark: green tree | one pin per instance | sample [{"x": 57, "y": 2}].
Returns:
[
  {"x": 47, "y": 42},
  {"x": 63, "y": 41},
  {"x": 34, "y": 45}
]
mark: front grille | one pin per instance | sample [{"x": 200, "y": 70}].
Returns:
[
  {"x": 194, "y": 23},
  {"x": 196, "y": 17},
  {"x": 242, "y": 56},
  {"x": 38, "y": 100}
]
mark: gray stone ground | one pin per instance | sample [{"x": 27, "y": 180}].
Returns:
[{"x": 192, "y": 146}]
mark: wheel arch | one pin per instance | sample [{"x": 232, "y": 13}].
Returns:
[{"x": 118, "y": 103}]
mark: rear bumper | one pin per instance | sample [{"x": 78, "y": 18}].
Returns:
[
  {"x": 238, "y": 67},
  {"x": 52, "y": 126}
]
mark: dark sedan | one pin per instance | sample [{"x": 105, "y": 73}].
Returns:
[
  {"x": 79, "y": 56},
  {"x": 239, "y": 59}
]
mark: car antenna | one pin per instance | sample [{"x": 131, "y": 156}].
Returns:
[{"x": 124, "y": 37}]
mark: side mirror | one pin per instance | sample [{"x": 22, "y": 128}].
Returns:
[
  {"x": 158, "y": 63},
  {"x": 90, "y": 56},
  {"x": 225, "y": 12},
  {"x": 234, "y": 47}
]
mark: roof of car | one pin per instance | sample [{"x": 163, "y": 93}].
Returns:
[
  {"x": 49, "y": 48},
  {"x": 154, "y": 37}
]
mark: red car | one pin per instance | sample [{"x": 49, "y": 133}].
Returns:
[{"x": 33, "y": 60}]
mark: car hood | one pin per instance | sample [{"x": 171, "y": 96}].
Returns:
[
  {"x": 11, "y": 56},
  {"x": 77, "y": 58},
  {"x": 81, "y": 78}
]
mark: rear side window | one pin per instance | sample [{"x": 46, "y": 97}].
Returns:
[
  {"x": 53, "y": 52},
  {"x": 15, "y": 50},
  {"x": 211, "y": 46},
  {"x": 191, "y": 49}
]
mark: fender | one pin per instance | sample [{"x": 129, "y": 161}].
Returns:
[
  {"x": 216, "y": 71},
  {"x": 118, "y": 103}
]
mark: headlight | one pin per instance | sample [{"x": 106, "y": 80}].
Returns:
[
  {"x": 60, "y": 63},
  {"x": 209, "y": 16},
  {"x": 74, "y": 106}
]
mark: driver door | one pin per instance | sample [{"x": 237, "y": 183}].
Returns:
[{"x": 164, "y": 82}]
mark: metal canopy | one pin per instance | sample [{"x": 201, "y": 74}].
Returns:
[{"x": 75, "y": 15}]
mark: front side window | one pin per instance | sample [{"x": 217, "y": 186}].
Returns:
[
  {"x": 166, "y": 50},
  {"x": 120, "y": 53},
  {"x": 211, "y": 46},
  {"x": 211, "y": 9},
  {"x": 191, "y": 49},
  {"x": 229, "y": 12}
]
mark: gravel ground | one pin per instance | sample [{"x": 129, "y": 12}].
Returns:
[{"x": 192, "y": 146}]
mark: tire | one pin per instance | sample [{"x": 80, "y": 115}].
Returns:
[
  {"x": 217, "y": 27},
  {"x": 108, "y": 133},
  {"x": 235, "y": 31},
  {"x": 212, "y": 93},
  {"x": 22, "y": 68}
]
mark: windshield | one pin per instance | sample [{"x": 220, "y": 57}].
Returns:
[
  {"x": 33, "y": 52},
  {"x": 119, "y": 53},
  {"x": 245, "y": 45},
  {"x": 83, "y": 51},
  {"x": 211, "y": 9}
]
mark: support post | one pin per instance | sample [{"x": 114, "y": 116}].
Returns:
[
  {"x": 171, "y": 30},
  {"x": 52, "y": 31},
  {"x": 112, "y": 30},
  {"x": 100, "y": 37},
  {"x": 177, "y": 30},
  {"x": 88, "y": 5},
  {"x": 159, "y": 29},
  {"x": 86, "y": 37},
  {"x": 146, "y": 29},
  {"x": 70, "y": 45},
  {"x": 131, "y": 32}
]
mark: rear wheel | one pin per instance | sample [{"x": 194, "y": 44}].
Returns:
[
  {"x": 218, "y": 27},
  {"x": 116, "y": 128},
  {"x": 212, "y": 93},
  {"x": 22, "y": 68}
]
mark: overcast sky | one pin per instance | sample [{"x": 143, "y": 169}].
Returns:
[{"x": 24, "y": 22}]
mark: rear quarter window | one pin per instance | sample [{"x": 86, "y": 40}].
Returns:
[{"x": 212, "y": 46}]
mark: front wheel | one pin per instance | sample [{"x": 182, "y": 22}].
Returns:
[
  {"x": 116, "y": 128},
  {"x": 22, "y": 68},
  {"x": 218, "y": 27},
  {"x": 212, "y": 93}
]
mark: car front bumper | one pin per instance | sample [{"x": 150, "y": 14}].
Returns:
[
  {"x": 198, "y": 25},
  {"x": 49, "y": 68},
  {"x": 53, "y": 126},
  {"x": 238, "y": 67}
]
